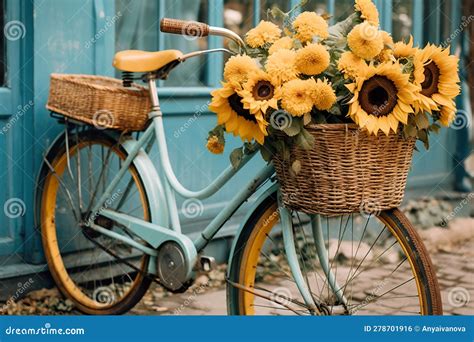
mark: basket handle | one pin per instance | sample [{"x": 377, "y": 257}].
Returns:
[{"x": 184, "y": 27}]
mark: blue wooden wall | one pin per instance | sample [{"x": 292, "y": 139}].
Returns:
[{"x": 62, "y": 36}]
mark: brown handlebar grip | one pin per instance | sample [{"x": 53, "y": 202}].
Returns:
[{"x": 187, "y": 28}]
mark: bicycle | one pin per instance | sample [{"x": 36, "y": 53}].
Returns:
[{"x": 110, "y": 226}]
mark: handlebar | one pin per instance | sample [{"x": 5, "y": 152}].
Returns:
[
  {"x": 197, "y": 29},
  {"x": 183, "y": 27}
]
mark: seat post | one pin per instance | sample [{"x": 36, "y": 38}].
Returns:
[{"x": 155, "y": 102}]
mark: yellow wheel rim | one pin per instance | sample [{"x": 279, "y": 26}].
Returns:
[
  {"x": 49, "y": 236},
  {"x": 256, "y": 241}
]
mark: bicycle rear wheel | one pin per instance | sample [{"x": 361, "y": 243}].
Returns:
[
  {"x": 99, "y": 274},
  {"x": 379, "y": 263}
]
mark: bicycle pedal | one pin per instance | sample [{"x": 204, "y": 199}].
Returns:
[{"x": 207, "y": 263}]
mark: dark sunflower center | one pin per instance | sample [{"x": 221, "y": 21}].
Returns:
[
  {"x": 378, "y": 96},
  {"x": 263, "y": 90},
  {"x": 430, "y": 84},
  {"x": 238, "y": 107}
]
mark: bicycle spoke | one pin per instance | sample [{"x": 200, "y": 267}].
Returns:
[
  {"x": 78, "y": 173},
  {"x": 366, "y": 254},
  {"x": 67, "y": 193},
  {"x": 96, "y": 188}
]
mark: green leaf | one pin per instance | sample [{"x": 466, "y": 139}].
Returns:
[
  {"x": 423, "y": 136},
  {"x": 250, "y": 148},
  {"x": 276, "y": 13},
  {"x": 307, "y": 119},
  {"x": 319, "y": 118},
  {"x": 236, "y": 157},
  {"x": 335, "y": 110},
  {"x": 296, "y": 166},
  {"x": 342, "y": 29},
  {"x": 294, "y": 129},
  {"x": 266, "y": 153},
  {"x": 305, "y": 140},
  {"x": 435, "y": 128},
  {"x": 410, "y": 131},
  {"x": 422, "y": 121},
  {"x": 282, "y": 150}
]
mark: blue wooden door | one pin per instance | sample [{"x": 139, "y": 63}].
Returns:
[{"x": 14, "y": 107}]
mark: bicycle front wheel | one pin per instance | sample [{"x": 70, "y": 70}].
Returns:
[
  {"x": 99, "y": 274},
  {"x": 379, "y": 263}
]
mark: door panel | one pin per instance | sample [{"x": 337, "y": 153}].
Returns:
[{"x": 12, "y": 204}]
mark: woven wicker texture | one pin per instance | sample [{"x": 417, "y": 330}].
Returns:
[
  {"x": 347, "y": 171},
  {"x": 99, "y": 101}
]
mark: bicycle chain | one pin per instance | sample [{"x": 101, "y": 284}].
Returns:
[{"x": 113, "y": 254}]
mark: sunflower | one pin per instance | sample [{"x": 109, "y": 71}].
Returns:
[
  {"x": 260, "y": 92},
  {"x": 365, "y": 41},
  {"x": 423, "y": 103},
  {"x": 281, "y": 65},
  {"x": 308, "y": 25},
  {"x": 441, "y": 80},
  {"x": 386, "y": 56},
  {"x": 238, "y": 68},
  {"x": 323, "y": 95},
  {"x": 351, "y": 65},
  {"x": 298, "y": 96},
  {"x": 409, "y": 55},
  {"x": 387, "y": 52},
  {"x": 265, "y": 32},
  {"x": 383, "y": 97},
  {"x": 228, "y": 106},
  {"x": 368, "y": 11},
  {"x": 282, "y": 43},
  {"x": 313, "y": 59},
  {"x": 404, "y": 50},
  {"x": 214, "y": 145}
]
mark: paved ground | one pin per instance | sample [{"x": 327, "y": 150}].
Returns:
[{"x": 452, "y": 253}]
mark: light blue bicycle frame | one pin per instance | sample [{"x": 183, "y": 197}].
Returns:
[{"x": 170, "y": 229}]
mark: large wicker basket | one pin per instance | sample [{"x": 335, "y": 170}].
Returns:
[
  {"x": 346, "y": 171},
  {"x": 99, "y": 101}
]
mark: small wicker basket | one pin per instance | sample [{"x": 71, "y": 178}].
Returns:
[
  {"x": 346, "y": 171},
  {"x": 99, "y": 101}
]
